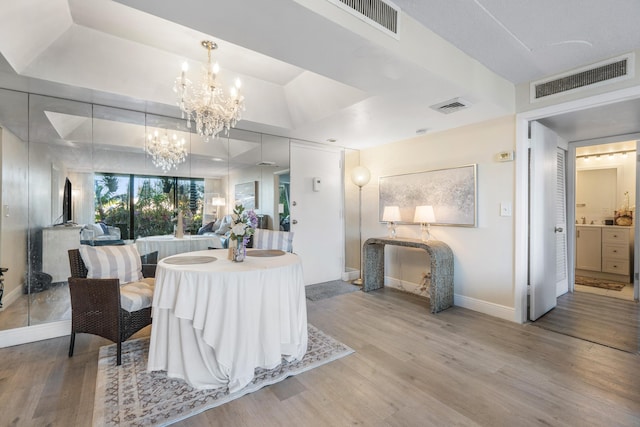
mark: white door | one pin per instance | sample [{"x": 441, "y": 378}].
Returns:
[
  {"x": 542, "y": 220},
  {"x": 316, "y": 211}
]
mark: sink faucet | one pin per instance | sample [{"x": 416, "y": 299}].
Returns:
[{"x": 584, "y": 219}]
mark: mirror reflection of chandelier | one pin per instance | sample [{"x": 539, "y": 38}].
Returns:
[
  {"x": 166, "y": 153},
  {"x": 206, "y": 103}
]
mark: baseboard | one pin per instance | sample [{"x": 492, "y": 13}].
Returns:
[
  {"x": 29, "y": 334},
  {"x": 350, "y": 275},
  {"x": 490, "y": 308},
  {"x": 11, "y": 297}
]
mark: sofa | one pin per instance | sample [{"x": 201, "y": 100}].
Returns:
[
  {"x": 100, "y": 234},
  {"x": 220, "y": 228}
]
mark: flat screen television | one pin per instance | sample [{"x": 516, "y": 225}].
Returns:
[{"x": 66, "y": 202}]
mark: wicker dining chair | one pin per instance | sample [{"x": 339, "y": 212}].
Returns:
[{"x": 96, "y": 309}]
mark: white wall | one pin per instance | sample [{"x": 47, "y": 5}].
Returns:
[
  {"x": 13, "y": 235},
  {"x": 483, "y": 256}
]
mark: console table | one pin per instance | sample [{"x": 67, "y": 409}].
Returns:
[{"x": 441, "y": 289}]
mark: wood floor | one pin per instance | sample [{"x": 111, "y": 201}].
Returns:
[
  {"x": 410, "y": 368},
  {"x": 600, "y": 319}
]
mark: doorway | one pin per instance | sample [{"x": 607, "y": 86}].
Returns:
[
  {"x": 601, "y": 190},
  {"x": 605, "y": 193}
]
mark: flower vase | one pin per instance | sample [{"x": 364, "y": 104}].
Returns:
[{"x": 238, "y": 253}]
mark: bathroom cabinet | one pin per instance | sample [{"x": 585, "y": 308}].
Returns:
[{"x": 605, "y": 252}]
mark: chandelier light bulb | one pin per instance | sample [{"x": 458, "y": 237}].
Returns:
[
  {"x": 185, "y": 66},
  {"x": 206, "y": 103},
  {"x": 238, "y": 83}
]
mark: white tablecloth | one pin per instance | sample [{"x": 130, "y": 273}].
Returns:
[
  {"x": 170, "y": 245},
  {"x": 214, "y": 323}
]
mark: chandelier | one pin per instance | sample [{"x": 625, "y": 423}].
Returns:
[
  {"x": 206, "y": 103},
  {"x": 166, "y": 153}
]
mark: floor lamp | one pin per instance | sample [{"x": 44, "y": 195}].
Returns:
[{"x": 360, "y": 176}]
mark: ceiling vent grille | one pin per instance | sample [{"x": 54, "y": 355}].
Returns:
[
  {"x": 596, "y": 75},
  {"x": 451, "y": 106},
  {"x": 382, "y": 14}
]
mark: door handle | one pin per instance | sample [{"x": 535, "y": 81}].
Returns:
[
  {"x": 558, "y": 230},
  {"x": 295, "y": 221}
]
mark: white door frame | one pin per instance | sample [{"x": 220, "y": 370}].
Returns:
[{"x": 522, "y": 183}]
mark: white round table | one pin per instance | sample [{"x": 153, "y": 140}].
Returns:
[{"x": 215, "y": 322}]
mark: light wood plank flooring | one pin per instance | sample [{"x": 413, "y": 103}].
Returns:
[
  {"x": 410, "y": 368},
  {"x": 600, "y": 319}
]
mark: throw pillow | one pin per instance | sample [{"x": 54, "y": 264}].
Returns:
[
  {"x": 206, "y": 228},
  {"x": 225, "y": 225},
  {"x": 108, "y": 262}
]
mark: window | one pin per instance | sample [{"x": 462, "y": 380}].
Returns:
[{"x": 147, "y": 205}]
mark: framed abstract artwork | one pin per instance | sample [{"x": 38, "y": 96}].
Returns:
[
  {"x": 246, "y": 194},
  {"x": 452, "y": 192}
]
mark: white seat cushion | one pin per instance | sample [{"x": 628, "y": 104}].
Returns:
[
  {"x": 269, "y": 239},
  {"x": 110, "y": 262},
  {"x": 135, "y": 296}
]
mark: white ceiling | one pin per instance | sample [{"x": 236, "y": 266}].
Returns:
[
  {"x": 309, "y": 69},
  {"x": 524, "y": 40}
]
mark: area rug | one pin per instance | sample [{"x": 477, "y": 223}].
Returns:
[
  {"x": 329, "y": 289},
  {"x": 130, "y": 396},
  {"x": 599, "y": 283}
]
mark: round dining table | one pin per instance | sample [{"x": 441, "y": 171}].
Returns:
[{"x": 215, "y": 321}]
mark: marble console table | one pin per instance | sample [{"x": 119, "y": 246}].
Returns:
[{"x": 441, "y": 289}]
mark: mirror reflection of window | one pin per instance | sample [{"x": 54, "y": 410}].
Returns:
[{"x": 89, "y": 143}]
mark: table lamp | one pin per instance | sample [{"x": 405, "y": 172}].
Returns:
[
  {"x": 424, "y": 215},
  {"x": 217, "y": 202},
  {"x": 391, "y": 215}
]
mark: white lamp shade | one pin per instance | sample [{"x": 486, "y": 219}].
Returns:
[
  {"x": 360, "y": 176},
  {"x": 218, "y": 201},
  {"x": 391, "y": 214},
  {"x": 424, "y": 214}
]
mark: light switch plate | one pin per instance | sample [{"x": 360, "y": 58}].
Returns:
[{"x": 505, "y": 208}]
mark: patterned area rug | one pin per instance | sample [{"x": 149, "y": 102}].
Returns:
[
  {"x": 131, "y": 396},
  {"x": 329, "y": 289},
  {"x": 599, "y": 283}
]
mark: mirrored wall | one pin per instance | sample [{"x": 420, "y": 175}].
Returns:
[{"x": 75, "y": 172}]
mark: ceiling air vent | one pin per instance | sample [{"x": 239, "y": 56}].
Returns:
[
  {"x": 451, "y": 106},
  {"x": 381, "y": 14},
  {"x": 595, "y": 75},
  {"x": 266, "y": 163}
]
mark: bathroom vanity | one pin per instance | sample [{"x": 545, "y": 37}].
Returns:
[{"x": 605, "y": 251}]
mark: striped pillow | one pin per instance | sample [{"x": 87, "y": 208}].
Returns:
[
  {"x": 109, "y": 262},
  {"x": 269, "y": 239}
]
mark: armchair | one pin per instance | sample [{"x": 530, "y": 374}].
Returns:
[{"x": 100, "y": 306}]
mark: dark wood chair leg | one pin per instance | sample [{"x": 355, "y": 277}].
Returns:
[
  {"x": 71, "y": 343},
  {"x": 119, "y": 356}
]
